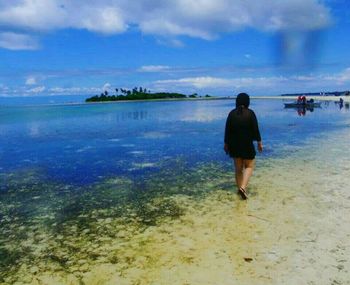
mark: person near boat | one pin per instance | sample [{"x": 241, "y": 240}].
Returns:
[{"x": 301, "y": 99}]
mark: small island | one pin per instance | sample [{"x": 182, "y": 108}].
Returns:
[{"x": 138, "y": 94}]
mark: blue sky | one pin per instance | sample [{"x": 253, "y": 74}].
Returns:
[{"x": 221, "y": 47}]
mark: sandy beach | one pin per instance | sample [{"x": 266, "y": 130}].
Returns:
[{"x": 291, "y": 231}]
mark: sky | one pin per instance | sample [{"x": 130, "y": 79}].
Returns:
[{"x": 216, "y": 47}]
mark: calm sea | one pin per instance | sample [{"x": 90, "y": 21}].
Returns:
[{"x": 79, "y": 144}]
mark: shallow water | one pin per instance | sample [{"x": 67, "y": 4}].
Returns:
[{"x": 144, "y": 193}]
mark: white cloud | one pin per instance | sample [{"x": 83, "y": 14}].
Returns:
[
  {"x": 204, "y": 19},
  {"x": 103, "y": 16},
  {"x": 340, "y": 79},
  {"x": 73, "y": 90},
  {"x": 31, "y": 80},
  {"x": 214, "y": 85},
  {"x": 216, "y": 82},
  {"x": 35, "y": 90},
  {"x": 278, "y": 84},
  {"x": 197, "y": 82},
  {"x": 3, "y": 88},
  {"x": 106, "y": 87},
  {"x": 344, "y": 77},
  {"x": 15, "y": 41},
  {"x": 153, "y": 68},
  {"x": 171, "y": 42},
  {"x": 107, "y": 19},
  {"x": 42, "y": 90}
]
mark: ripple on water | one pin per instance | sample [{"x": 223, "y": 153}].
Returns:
[{"x": 155, "y": 135}]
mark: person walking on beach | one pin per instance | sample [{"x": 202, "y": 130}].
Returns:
[{"x": 240, "y": 132}]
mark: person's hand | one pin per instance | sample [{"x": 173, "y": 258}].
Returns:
[
  {"x": 260, "y": 146},
  {"x": 226, "y": 147}
]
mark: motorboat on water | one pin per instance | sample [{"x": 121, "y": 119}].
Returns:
[{"x": 307, "y": 104}]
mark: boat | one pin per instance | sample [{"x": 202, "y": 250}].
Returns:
[{"x": 302, "y": 105}]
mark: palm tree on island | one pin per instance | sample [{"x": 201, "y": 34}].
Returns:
[{"x": 138, "y": 94}]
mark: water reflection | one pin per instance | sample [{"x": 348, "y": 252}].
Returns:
[
  {"x": 202, "y": 116},
  {"x": 341, "y": 104},
  {"x": 302, "y": 111},
  {"x": 132, "y": 115},
  {"x": 34, "y": 130},
  {"x": 128, "y": 115}
]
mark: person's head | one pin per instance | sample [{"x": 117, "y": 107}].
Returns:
[{"x": 242, "y": 100}]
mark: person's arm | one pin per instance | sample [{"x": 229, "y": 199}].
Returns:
[
  {"x": 227, "y": 133},
  {"x": 256, "y": 132}
]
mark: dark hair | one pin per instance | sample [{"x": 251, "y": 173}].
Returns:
[{"x": 242, "y": 100}]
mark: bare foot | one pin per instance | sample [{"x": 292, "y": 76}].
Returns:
[{"x": 243, "y": 193}]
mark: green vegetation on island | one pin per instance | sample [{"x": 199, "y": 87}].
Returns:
[{"x": 138, "y": 94}]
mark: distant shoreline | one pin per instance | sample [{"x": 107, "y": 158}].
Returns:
[
  {"x": 165, "y": 100},
  {"x": 275, "y": 97},
  {"x": 278, "y": 97},
  {"x": 317, "y": 97}
]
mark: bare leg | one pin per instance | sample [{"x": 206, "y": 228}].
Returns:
[
  {"x": 238, "y": 171},
  {"x": 248, "y": 165}
]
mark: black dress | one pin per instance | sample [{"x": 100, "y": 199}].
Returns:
[{"x": 240, "y": 132}]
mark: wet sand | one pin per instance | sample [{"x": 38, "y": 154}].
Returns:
[{"x": 290, "y": 231}]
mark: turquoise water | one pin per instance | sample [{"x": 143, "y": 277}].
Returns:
[{"x": 69, "y": 172}]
